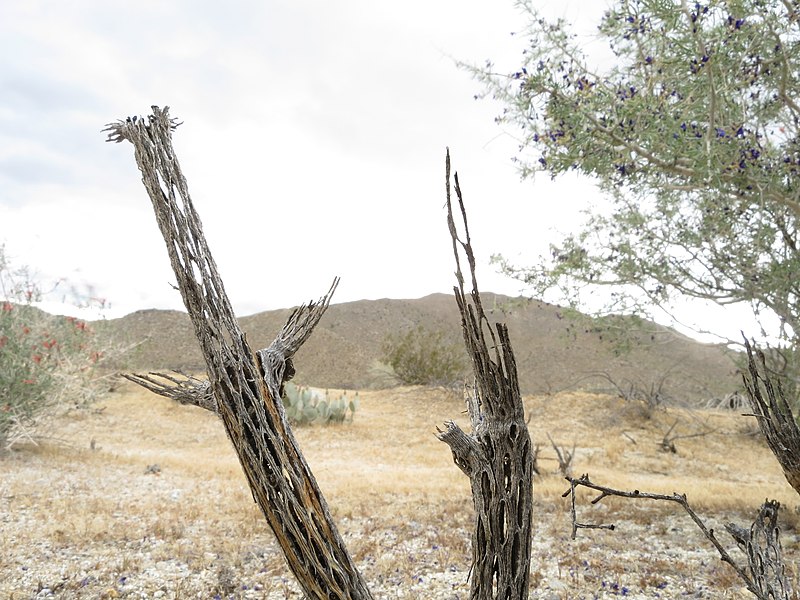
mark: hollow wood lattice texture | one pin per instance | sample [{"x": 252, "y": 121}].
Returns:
[
  {"x": 245, "y": 384},
  {"x": 764, "y": 554},
  {"x": 497, "y": 455},
  {"x": 774, "y": 415}
]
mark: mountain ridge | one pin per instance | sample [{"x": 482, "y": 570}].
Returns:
[{"x": 554, "y": 351}]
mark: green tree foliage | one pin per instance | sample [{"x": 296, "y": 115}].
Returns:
[
  {"x": 422, "y": 356},
  {"x": 693, "y": 133}
]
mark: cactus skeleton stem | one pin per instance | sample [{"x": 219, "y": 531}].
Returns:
[
  {"x": 246, "y": 384},
  {"x": 497, "y": 455}
]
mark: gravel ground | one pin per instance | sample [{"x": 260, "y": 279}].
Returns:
[{"x": 654, "y": 553}]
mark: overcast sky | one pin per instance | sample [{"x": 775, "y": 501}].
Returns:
[{"x": 313, "y": 143}]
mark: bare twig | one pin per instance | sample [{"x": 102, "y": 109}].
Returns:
[{"x": 764, "y": 577}]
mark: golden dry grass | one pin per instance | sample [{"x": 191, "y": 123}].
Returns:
[{"x": 84, "y": 513}]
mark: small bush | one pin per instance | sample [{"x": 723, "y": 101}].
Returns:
[
  {"x": 43, "y": 359},
  {"x": 424, "y": 357}
]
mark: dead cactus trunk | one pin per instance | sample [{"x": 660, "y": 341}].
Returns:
[
  {"x": 245, "y": 383},
  {"x": 497, "y": 456},
  {"x": 774, "y": 415}
]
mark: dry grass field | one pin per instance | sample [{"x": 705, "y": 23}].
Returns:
[{"x": 138, "y": 497}]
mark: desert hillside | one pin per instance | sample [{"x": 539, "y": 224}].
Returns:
[{"x": 554, "y": 351}]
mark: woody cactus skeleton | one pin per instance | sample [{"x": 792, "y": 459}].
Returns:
[
  {"x": 497, "y": 457},
  {"x": 245, "y": 384},
  {"x": 245, "y": 388}
]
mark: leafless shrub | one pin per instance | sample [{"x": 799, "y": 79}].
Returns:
[
  {"x": 667, "y": 443},
  {"x": 535, "y": 458},
  {"x": 564, "y": 457},
  {"x": 651, "y": 395}
]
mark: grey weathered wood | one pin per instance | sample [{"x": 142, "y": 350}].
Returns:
[
  {"x": 774, "y": 415},
  {"x": 762, "y": 546},
  {"x": 244, "y": 389},
  {"x": 177, "y": 386},
  {"x": 497, "y": 454},
  {"x": 245, "y": 383}
]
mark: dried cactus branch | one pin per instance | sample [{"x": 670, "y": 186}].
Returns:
[
  {"x": 243, "y": 385},
  {"x": 182, "y": 388},
  {"x": 775, "y": 418},
  {"x": 187, "y": 389},
  {"x": 497, "y": 455}
]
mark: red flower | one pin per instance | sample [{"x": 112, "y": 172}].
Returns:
[
  {"x": 29, "y": 381},
  {"x": 37, "y": 358},
  {"x": 7, "y": 306},
  {"x": 3, "y": 341},
  {"x": 26, "y": 329}
]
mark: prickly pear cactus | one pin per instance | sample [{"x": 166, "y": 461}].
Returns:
[{"x": 306, "y": 406}]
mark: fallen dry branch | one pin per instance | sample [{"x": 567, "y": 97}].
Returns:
[{"x": 764, "y": 575}]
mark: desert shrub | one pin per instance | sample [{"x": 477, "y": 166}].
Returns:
[
  {"x": 648, "y": 393},
  {"x": 421, "y": 356},
  {"x": 43, "y": 359}
]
